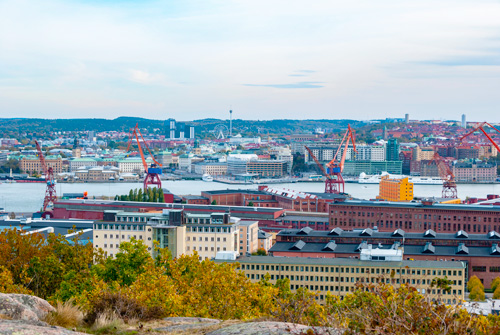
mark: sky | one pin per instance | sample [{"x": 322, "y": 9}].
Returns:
[{"x": 321, "y": 59}]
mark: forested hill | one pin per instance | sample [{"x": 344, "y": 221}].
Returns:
[
  {"x": 16, "y": 125},
  {"x": 47, "y": 125}
]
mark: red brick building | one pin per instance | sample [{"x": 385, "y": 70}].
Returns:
[{"x": 414, "y": 216}]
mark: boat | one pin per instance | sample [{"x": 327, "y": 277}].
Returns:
[
  {"x": 207, "y": 177},
  {"x": 375, "y": 179}
]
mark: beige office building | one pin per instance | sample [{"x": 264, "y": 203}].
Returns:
[{"x": 339, "y": 276}]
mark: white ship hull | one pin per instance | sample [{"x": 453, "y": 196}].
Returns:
[
  {"x": 375, "y": 179},
  {"x": 207, "y": 177}
]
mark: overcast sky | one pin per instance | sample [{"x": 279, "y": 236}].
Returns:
[{"x": 264, "y": 59}]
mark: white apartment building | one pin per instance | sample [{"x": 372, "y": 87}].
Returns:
[
  {"x": 364, "y": 153},
  {"x": 237, "y": 163},
  {"x": 213, "y": 169},
  {"x": 133, "y": 165},
  {"x": 77, "y": 163},
  {"x": 185, "y": 161}
]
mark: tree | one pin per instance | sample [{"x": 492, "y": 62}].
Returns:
[
  {"x": 214, "y": 202},
  {"x": 476, "y": 294},
  {"x": 131, "y": 195},
  {"x": 496, "y": 293},
  {"x": 250, "y": 204},
  {"x": 473, "y": 282},
  {"x": 495, "y": 283},
  {"x": 260, "y": 252},
  {"x": 161, "y": 197},
  {"x": 139, "y": 195}
]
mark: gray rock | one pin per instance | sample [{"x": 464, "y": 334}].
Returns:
[
  {"x": 187, "y": 323},
  {"x": 272, "y": 328},
  {"x": 24, "y": 307},
  {"x": 21, "y": 327}
]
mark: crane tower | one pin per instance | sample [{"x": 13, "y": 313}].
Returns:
[
  {"x": 50, "y": 191},
  {"x": 153, "y": 172}
]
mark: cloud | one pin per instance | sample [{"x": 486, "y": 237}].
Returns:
[
  {"x": 378, "y": 58},
  {"x": 302, "y": 84},
  {"x": 143, "y": 77}
]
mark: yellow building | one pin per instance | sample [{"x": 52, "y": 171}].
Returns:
[
  {"x": 395, "y": 189},
  {"x": 182, "y": 233},
  {"x": 31, "y": 164},
  {"x": 339, "y": 276}
]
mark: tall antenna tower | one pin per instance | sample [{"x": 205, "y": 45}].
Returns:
[{"x": 230, "y": 123}]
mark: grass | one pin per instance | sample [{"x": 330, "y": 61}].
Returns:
[{"x": 66, "y": 315}]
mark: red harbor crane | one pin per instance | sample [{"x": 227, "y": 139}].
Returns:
[
  {"x": 334, "y": 182},
  {"x": 449, "y": 184},
  {"x": 50, "y": 191},
  {"x": 481, "y": 128},
  {"x": 153, "y": 172}
]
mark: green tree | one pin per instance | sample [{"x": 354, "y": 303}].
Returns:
[
  {"x": 139, "y": 195},
  {"x": 214, "y": 202},
  {"x": 161, "y": 197},
  {"x": 150, "y": 195},
  {"x": 131, "y": 195},
  {"x": 131, "y": 260}
]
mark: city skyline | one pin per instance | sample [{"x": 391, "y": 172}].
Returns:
[{"x": 284, "y": 60}]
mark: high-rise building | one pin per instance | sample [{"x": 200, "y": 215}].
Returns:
[
  {"x": 407, "y": 118},
  {"x": 464, "y": 122},
  {"x": 178, "y": 130},
  {"x": 392, "y": 150}
]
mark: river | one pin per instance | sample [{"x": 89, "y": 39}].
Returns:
[{"x": 28, "y": 197}]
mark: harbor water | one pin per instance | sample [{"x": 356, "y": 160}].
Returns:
[{"x": 28, "y": 197}]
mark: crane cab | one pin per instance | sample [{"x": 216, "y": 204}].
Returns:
[{"x": 154, "y": 169}]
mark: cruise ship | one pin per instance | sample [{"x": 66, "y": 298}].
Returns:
[
  {"x": 207, "y": 177},
  {"x": 375, "y": 179}
]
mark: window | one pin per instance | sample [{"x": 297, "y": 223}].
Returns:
[
  {"x": 494, "y": 268},
  {"x": 479, "y": 268}
]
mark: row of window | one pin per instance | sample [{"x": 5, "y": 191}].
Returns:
[
  {"x": 332, "y": 269},
  {"x": 212, "y": 239},
  {"x": 340, "y": 288},
  {"x": 210, "y": 229},
  {"x": 188, "y": 248},
  {"x": 106, "y": 226},
  {"x": 117, "y": 236},
  {"x": 483, "y": 268},
  {"x": 415, "y": 216}
]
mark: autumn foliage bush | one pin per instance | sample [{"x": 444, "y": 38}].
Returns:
[{"x": 135, "y": 285}]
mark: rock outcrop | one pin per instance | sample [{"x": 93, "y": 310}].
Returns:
[
  {"x": 24, "y": 307},
  {"x": 21, "y": 327},
  {"x": 185, "y": 324},
  {"x": 273, "y": 328}
]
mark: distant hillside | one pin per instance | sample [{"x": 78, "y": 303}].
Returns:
[
  {"x": 44, "y": 125},
  {"x": 204, "y": 128}
]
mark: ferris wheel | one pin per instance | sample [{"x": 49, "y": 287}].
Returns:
[{"x": 221, "y": 131}]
